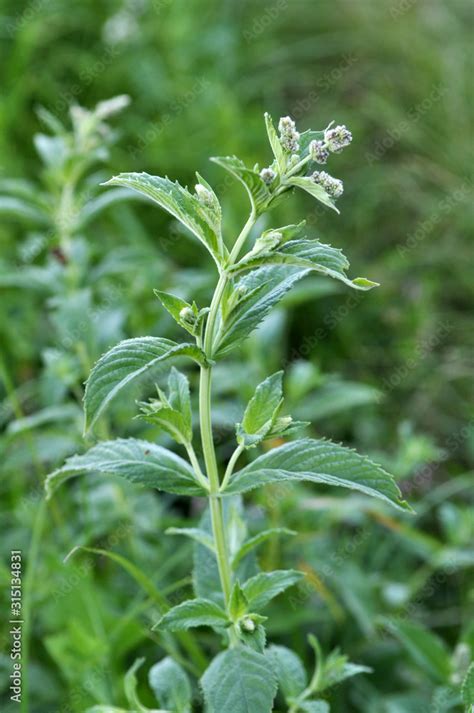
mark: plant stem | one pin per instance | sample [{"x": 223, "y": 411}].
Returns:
[
  {"x": 215, "y": 502},
  {"x": 231, "y": 465}
]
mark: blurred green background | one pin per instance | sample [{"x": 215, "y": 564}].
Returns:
[{"x": 389, "y": 372}]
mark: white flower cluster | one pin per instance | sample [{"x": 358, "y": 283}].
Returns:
[
  {"x": 289, "y": 137},
  {"x": 333, "y": 186},
  {"x": 267, "y": 175},
  {"x": 338, "y": 138},
  {"x": 334, "y": 141},
  {"x": 318, "y": 151}
]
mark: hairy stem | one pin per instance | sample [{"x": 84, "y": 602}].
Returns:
[{"x": 215, "y": 502}]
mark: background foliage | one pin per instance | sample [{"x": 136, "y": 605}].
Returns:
[{"x": 389, "y": 372}]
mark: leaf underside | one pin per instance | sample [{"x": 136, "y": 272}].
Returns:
[
  {"x": 125, "y": 362},
  {"x": 319, "y": 461},
  {"x": 137, "y": 461}
]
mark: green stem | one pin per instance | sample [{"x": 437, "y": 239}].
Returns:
[
  {"x": 196, "y": 467},
  {"x": 215, "y": 502},
  {"x": 231, "y": 465}
]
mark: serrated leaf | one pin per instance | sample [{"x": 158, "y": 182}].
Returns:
[
  {"x": 180, "y": 203},
  {"x": 314, "y": 189},
  {"x": 265, "y": 586},
  {"x": 137, "y": 461},
  {"x": 256, "y": 639},
  {"x": 238, "y": 604},
  {"x": 257, "y": 540},
  {"x": 467, "y": 688},
  {"x": 125, "y": 362},
  {"x": 179, "y": 396},
  {"x": 257, "y": 190},
  {"x": 275, "y": 143},
  {"x": 310, "y": 254},
  {"x": 193, "y": 613},
  {"x": 188, "y": 316},
  {"x": 319, "y": 461},
  {"x": 262, "y": 289},
  {"x": 426, "y": 649},
  {"x": 168, "y": 419},
  {"x": 240, "y": 680},
  {"x": 195, "y": 534},
  {"x": 170, "y": 684},
  {"x": 261, "y": 411},
  {"x": 289, "y": 669},
  {"x": 172, "y": 413},
  {"x": 337, "y": 668}
]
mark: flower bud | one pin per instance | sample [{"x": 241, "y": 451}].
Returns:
[
  {"x": 267, "y": 175},
  {"x": 187, "y": 316},
  {"x": 289, "y": 137},
  {"x": 333, "y": 186},
  {"x": 247, "y": 624},
  {"x": 338, "y": 138},
  {"x": 318, "y": 151},
  {"x": 204, "y": 195}
]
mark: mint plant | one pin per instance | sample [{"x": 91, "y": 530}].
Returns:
[{"x": 231, "y": 592}]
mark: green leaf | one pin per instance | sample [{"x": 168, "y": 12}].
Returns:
[
  {"x": 314, "y": 707},
  {"x": 256, "y": 541},
  {"x": 95, "y": 206},
  {"x": 289, "y": 669},
  {"x": 106, "y": 709},
  {"x": 135, "y": 572},
  {"x": 136, "y": 461},
  {"x": 125, "y": 362},
  {"x": 171, "y": 686},
  {"x": 179, "y": 309},
  {"x": 180, "y": 203},
  {"x": 193, "y": 613},
  {"x": 195, "y": 534},
  {"x": 310, "y": 254},
  {"x": 239, "y": 680},
  {"x": 261, "y": 411},
  {"x": 467, "y": 688},
  {"x": 179, "y": 396},
  {"x": 256, "y": 188},
  {"x": 319, "y": 461},
  {"x": 265, "y": 586},
  {"x": 337, "y": 668},
  {"x": 51, "y": 414},
  {"x": 172, "y": 412},
  {"x": 130, "y": 686},
  {"x": 256, "y": 639},
  {"x": 14, "y": 207},
  {"x": 238, "y": 604},
  {"x": 314, "y": 189},
  {"x": 188, "y": 316},
  {"x": 426, "y": 649},
  {"x": 261, "y": 289},
  {"x": 275, "y": 143}
]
